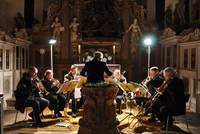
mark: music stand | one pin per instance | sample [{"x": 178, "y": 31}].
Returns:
[
  {"x": 68, "y": 86},
  {"x": 138, "y": 102}
]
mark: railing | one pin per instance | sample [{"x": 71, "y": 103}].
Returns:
[{"x": 1, "y": 113}]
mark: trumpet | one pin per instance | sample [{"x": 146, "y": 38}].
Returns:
[
  {"x": 55, "y": 83},
  {"x": 41, "y": 89}
]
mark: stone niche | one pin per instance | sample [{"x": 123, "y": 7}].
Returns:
[{"x": 99, "y": 115}]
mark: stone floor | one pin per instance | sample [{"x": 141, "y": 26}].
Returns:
[{"x": 126, "y": 126}]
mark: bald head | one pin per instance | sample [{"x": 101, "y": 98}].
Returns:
[
  {"x": 33, "y": 71},
  {"x": 169, "y": 73}
]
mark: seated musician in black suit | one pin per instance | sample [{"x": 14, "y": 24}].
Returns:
[
  {"x": 27, "y": 95},
  {"x": 119, "y": 78},
  {"x": 76, "y": 103},
  {"x": 154, "y": 80},
  {"x": 57, "y": 100},
  {"x": 173, "y": 98},
  {"x": 94, "y": 70}
]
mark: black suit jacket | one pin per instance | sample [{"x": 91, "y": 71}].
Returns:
[
  {"x": 175, "y": 97},
  {"x": 48, "y": 85},
  {"x": 25, "y": 89},
  {"x": 94, "y": 70},
  {"x": 154, "y": 83}
]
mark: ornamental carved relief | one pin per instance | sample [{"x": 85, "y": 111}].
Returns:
[{"x": 192, "y": 36}]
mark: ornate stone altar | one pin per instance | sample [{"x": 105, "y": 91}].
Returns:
[
  {"x": 100, "y": 25},
  {"x": 99, "y": 115}
]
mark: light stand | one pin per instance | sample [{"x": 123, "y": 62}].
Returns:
[{"x": 52, "y": 42}]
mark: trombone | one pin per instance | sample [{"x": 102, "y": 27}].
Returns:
[{"x": 159, "y": 92}]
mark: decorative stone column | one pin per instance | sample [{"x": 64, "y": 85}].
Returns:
[
  {"x": 198, "y": 82},
  {"x": 99, "y": 115}
]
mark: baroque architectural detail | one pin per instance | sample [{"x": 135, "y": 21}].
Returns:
[
  {"x": 168, "y": 32},
  {"x": 192, "y": 36},
  {"x": 4, "y": 36}
]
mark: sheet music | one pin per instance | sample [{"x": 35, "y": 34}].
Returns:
[{"x": 77, "y": 93}]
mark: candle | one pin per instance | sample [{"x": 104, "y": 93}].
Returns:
[
  {"x": 113, "y": 49},
  {"x": 79, "y": 49}
]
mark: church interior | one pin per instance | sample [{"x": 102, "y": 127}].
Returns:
[{"x": 147, "y": 49}]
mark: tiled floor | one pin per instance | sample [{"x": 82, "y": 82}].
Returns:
[{"x": 50, "y": 127}]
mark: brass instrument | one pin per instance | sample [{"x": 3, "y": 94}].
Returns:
[
  {"x": 38, "y": 84},
  {"x": 55, "y": 83},
  {"x": 159, "y": 91},
  {"x": 124, "y": 91},
  {"x": 146, "y": 80}
]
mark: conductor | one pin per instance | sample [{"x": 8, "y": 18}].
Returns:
[{"x": 94, "y": 70}]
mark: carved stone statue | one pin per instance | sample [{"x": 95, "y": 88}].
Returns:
[
  {"x": 168, "y": 32},
  {"x": 57, "y": 29},
  {"x": 74, "y": 30},
  {"x": 21, "y": 33},
  {"x": 192, "y": 36},
  {"x": 179, "y": 17},
  {"x": 135, "y": 33},
  {"x": 4, "y": 36},
  {"x": 196, "y": 35}
]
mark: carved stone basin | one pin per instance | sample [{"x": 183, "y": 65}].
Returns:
[{"x": 99, "y": 115}]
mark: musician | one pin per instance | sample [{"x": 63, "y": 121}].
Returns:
[
  {"x": 94, "y": 70},
  {"x": 76, "y": 103},
  {"x": 72, "y": 74},
  {"x": 154, "y": 80},
  {"x": 173, "y": 98},
  {"x": 57, "y": 100},
  {"x": 119, "y": 78},
  {"x": 27, "y": 95}
]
